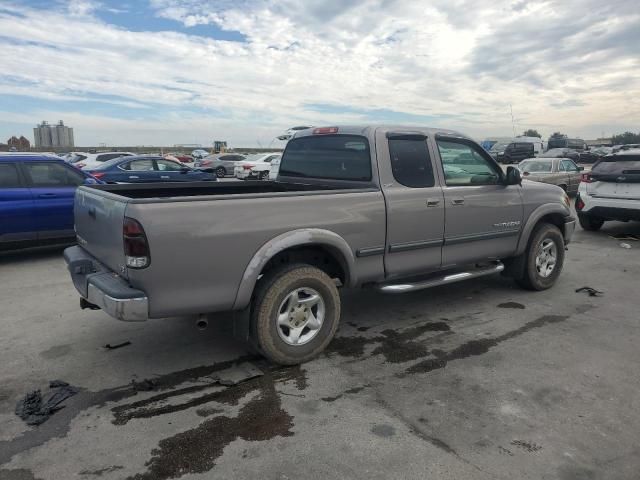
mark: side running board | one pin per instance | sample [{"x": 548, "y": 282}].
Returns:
[{"x": 441, "y": 279}]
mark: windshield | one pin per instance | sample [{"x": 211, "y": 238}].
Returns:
[
  {"x": 335, "y": 157},
  {"x": 536, "y": 166},
  {"x": 498, "y": 147}
]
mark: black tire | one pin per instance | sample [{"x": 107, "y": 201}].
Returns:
[
  {"x": 563, "y": 187},
  {"x": 263, "y": 175},
  {"x": 590, "y": 223},
  {"x": 221, "y": 172},
  {"x": 271, "y": 291},
  {"x": 530, "y": 278}
]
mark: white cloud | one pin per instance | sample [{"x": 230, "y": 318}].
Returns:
[
  {"x": 458, "y": 61},
  {"x": 81, "y": 8}
]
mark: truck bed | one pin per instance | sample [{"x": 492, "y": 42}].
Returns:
[{"x": 196, "y": 189}]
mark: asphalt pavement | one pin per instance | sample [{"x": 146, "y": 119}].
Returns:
[{"x": 475, "y": 380}]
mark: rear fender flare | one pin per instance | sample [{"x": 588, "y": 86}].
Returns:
[
  {"x": 295, "y": 238},
  {"x": 534, "y": 218}
]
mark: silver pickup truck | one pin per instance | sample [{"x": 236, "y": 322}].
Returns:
[{"x": 397, "y": 209}]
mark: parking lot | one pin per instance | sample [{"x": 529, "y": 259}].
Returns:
[{"x": 475, "y": 380}]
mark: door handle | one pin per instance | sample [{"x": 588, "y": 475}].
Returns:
[
  {"x": 47, "y": 195},
  {"x": 457, "y": 201},
  {"x": 133, "y": 176},
  {"x": 433, "y": 202},
  {"x": 164, "y": 176}
]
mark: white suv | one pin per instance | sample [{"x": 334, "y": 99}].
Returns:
[{"x": 610, "y": 191}]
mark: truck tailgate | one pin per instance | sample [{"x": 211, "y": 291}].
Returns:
[{"x": 98, "y": 221}]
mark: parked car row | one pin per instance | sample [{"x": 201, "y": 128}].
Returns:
[
  {"x": 244, "y": 167},
  {"x": 515, "y": 152}
]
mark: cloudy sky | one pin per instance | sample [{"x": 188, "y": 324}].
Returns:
[{"x": 163, "y": 72}]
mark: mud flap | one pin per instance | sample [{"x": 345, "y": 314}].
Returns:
[{"x": 242, "y": 329}]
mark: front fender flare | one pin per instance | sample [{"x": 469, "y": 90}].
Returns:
[
  {"x": 295, "y": 238},
  {"x": 534, "y": 218}
]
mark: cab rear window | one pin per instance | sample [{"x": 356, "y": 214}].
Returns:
[{"x": 333, "y": 157}]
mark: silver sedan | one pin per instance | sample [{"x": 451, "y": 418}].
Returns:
[{"x": 556, "y": 171}]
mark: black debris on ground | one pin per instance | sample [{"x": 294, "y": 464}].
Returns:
[
  {"x": 108, "y": 346},
  {"x": 145, "y": 385},
  {"x": 591, "y": 291},
  {"x": 35, "y": 410},
  {"x": 515, "y": 305}
]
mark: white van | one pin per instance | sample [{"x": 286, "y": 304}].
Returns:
[{"x": 539, "y": 145}]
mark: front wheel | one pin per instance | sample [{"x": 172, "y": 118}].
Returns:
[
  {"x": 295, "y": 314},
  {"x": 220, "y": 172},
  {"x": 543, "y": 258},
  {"x": 263, "y": 175}
]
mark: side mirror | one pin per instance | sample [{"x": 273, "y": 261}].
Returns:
[
  {"x": 513, "y": 176},
  {"x": 580, "y": 169},
  {"x": 184, "y": 170}
]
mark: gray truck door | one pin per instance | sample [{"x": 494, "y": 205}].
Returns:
[
  {"x": 415, "y": 210},
  {"x": 483, "y": 216}
]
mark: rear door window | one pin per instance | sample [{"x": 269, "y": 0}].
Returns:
[
  {"x": 50, "y": 174},
  {"x": 410, "y": 162},
  {"x": 568, "y": 166},
  {"x": 141, "y": 165},
  {"x": 9, "y": 176},
  {"x": 332, "y": 157},
  {"x": 169, "y": 166}
]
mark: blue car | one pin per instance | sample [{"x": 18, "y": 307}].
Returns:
[
  {"x": 36, "y": 199},
  {"x": 149, "y": 168}
]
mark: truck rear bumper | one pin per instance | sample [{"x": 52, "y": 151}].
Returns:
[{"x": 103, "y": 288}]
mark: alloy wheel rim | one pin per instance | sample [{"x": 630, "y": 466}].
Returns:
[
  {"x": 300, "y": 316},
  {"x": 546, "y": 258}
]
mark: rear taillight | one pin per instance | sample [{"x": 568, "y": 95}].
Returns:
[
  {"x": 325, "y": 130},
  {"x": 98, "y": 175},
  {"x": 579, "y": 203},
  {"x": 585, "y": 178},
  {"x": 205, "y": 162},
  {"x": 248, "y": 167},
  {"x": 136, "y": 247}
]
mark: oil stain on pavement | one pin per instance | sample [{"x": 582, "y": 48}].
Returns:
[
  {"x": 479, "y": 347},
  {"x": 261, "y": 418}
]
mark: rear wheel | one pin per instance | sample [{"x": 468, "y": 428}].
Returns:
[
  {"x": 295, "y": 314},
  {"x": 221, "y": 172},
  {"x": 543, "y": 258},
  {"x": 590, "y": 223}
]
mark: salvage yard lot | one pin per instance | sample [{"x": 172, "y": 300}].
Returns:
[{"x": 470, "y": 381}]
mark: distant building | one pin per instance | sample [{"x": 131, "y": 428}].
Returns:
[
  {"x": 20, "y": 144},
  {"x": 58, "y": 135}
]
